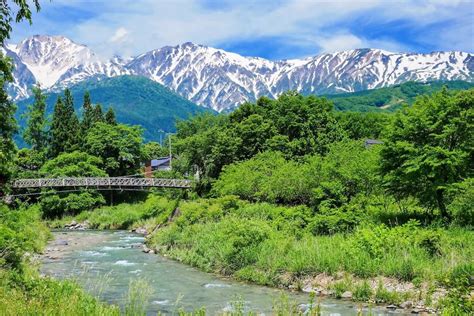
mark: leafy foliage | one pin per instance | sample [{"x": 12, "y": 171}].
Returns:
[
  {"x": 8, "y": 125},
  {"x": 73, "y": 164},
  {"x": 292, "y": 124},
  {"x": 119, "y": 147},
  {"x": 348, "y": 169},
  {"x": 20, "y": 232},
  {"x": 430, "y": 147}
]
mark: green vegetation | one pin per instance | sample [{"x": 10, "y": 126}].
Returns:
[
  {"x": 154, "y": 211},
  {"x": 22, "y": 290},
  {"x": 135, "y": 100},
  {"x": 275, "y": 245},
  {"x": 287, "y": 190},
  {"x": 391, "y": 98}
]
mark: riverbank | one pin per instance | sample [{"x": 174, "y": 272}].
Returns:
[
  {"x": 404, "y": 267},
  {"x": 22, "y": 290},
  {"x": 115, "y": 258}
]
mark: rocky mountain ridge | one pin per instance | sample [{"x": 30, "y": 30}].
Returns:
[{"x": 222, "y": 80}]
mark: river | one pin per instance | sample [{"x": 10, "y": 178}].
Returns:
[{"x": 105, "y": 262}]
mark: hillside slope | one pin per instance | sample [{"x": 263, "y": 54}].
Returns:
[
  {"x": 136, "y": 100},
  {"x": 391, "y": 98}
]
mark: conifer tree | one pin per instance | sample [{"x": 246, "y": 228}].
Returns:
[
  {"x": 72, "y": 123},
  {"x": 35, "y": 133},
  {"x": 110, "y": 117},
  {"x": 98, "y": 115},
  {"x": 87, "y": 114},
  {"x": 59, "y": 132}
]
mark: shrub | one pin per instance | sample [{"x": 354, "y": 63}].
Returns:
[
  {"x": 461, "y": 208},
  {"x": 59, "y": 204},
  {"x": 20, "y": 232},
  {"x": 362, "y": 291}
]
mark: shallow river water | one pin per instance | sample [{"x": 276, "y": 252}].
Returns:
[{"x": 106, "y": 262}]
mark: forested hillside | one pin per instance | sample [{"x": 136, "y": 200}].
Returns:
[
  {"x": 135, "y": 100},
  {"x": 391, "y": 98}
]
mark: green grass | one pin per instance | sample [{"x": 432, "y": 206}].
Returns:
[
  {"x": 251, "y": 243},
  {"x": 29, "y": 294},
  {"x": 155, "y": 210},
  {"x": 253, "y": 250}
]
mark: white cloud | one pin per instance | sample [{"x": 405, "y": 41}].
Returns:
[
  {"x": 132, "y": 27},
  {"x": 119, "y": 36},
  {"x": 340, "y": 42}
]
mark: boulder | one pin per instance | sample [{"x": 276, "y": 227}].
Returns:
[
  {"x": 406, "y": 304},
  {"x": 346, "y": 294},
  {"x": 141, "y": 230}
]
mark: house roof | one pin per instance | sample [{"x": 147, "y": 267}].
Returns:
[
  {"x": 373, "y": 141},
  {"x": 160, "y": 161}
]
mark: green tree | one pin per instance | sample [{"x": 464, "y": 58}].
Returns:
[
  {"x": 28, "y": 163},
  {"x": 153, "y": 150},
  {"x": 87, "y": 114},
  {"x": 7, "y": 109},
  {"x": 119, "y": 146},
  {"x": 430, "y": 147},
  {"x": 359, "y": 125},
  {"x": 110, "y": 117},
  {"x": 35, "y": 133},
  {"x": 59, "y": 129},
  {"x": 72, "y": 122},
  {"x": 98, "y": 116},
  {"x": 74, "y": 164},
  {"x": 8, "y": 125}
]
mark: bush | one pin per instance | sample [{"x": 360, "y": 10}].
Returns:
[
  {"x": 155, "y": 210},
  {"x": 57, "y": 204},
  {"x": 348, "y": 170},
  {"x": 362, "y": 292},
  {"x": 20, "y": 232},
  {"x": 461, "y": 208},
  {"x": 28, "y": 294}
]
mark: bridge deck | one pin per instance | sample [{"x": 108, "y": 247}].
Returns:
[{"x": 102, "y": 182}]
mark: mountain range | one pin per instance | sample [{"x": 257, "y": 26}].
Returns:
[{"x": 221, "y": 80}]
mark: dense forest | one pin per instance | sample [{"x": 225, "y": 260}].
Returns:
[{"x": 392, "y": 98}]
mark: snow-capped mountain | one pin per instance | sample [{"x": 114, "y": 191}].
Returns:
[{"x": 222, "y": 80}]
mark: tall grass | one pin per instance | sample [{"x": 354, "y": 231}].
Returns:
[
  {"x": 139, "y": 293},
  {"x": 253, "y": 244},
  {"x": 28, "y": 294},
  {"x": 153, "y": 211}
]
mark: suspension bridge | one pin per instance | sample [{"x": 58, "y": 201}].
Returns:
[
  {"x": 102, "y": 182},
  {"x": 127, "y": 183}
]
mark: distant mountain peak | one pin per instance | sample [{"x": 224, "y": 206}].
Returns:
[{"x": 221, "y": 80}]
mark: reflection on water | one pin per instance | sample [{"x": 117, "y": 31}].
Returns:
[{"x": 107, "y": 267}]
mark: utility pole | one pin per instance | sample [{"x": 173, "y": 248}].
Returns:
[{"x": 171, "y": 157}]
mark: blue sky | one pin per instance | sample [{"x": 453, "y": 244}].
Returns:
[{"x": 273, "y": 29}]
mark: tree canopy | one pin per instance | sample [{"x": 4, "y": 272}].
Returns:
[
  {"x": 119, "y": 147},
  {"x": 430, "y": 147}
]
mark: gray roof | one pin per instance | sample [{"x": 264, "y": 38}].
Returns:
[{"x": 160, "y": 161}]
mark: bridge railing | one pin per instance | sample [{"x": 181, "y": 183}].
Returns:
[{"x": 102, "y": 182}]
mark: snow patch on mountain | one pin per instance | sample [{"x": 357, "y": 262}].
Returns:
[{"x": 222, "y": 80}]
